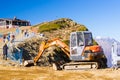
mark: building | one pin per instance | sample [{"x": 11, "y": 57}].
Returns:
[{"x": 12, "y": 23}]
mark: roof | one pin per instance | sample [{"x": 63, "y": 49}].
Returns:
[{"x": 14, "y": 19}]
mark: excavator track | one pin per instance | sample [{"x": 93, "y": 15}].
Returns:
[{"x": 80, "y": 66}]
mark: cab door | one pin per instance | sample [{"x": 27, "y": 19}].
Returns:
[{"x": 76, "y": 46}]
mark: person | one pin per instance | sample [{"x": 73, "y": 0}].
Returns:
[{"x": 5, "y": 51}]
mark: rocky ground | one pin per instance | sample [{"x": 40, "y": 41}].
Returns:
[{"x": 47, "y": 73}]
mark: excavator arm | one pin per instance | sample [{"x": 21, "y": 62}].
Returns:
[{"x": 45, "y": 44}]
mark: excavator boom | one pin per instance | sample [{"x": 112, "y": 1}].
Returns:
[
  {"x": 45, "y": 44},
  {"x": 41, "y": 50}
]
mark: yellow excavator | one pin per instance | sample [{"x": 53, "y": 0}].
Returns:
[{"x": 82, "y": 53}]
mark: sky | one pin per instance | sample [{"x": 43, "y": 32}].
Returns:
[{"x": 101, "y": 17}]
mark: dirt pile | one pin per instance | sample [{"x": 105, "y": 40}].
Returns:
[
  {"x": 50, "y": 55},
  {"x": 30, "y": 47}
]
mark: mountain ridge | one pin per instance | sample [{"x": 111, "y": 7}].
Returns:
[{"x": 60, "y": 28}]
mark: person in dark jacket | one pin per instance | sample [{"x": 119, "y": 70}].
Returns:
[{"x": 5, "y": 48}]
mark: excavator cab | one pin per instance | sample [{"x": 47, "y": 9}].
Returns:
[
  {"x": 83, "y": 54},
  {"x": 78, "y": 42}
]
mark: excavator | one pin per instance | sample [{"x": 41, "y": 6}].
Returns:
[{"x": 82, "y": 53}]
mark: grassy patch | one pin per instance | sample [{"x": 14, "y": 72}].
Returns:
[
  {"x": 82, "y": 28},
  {"x": 49, "y": 27}
]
